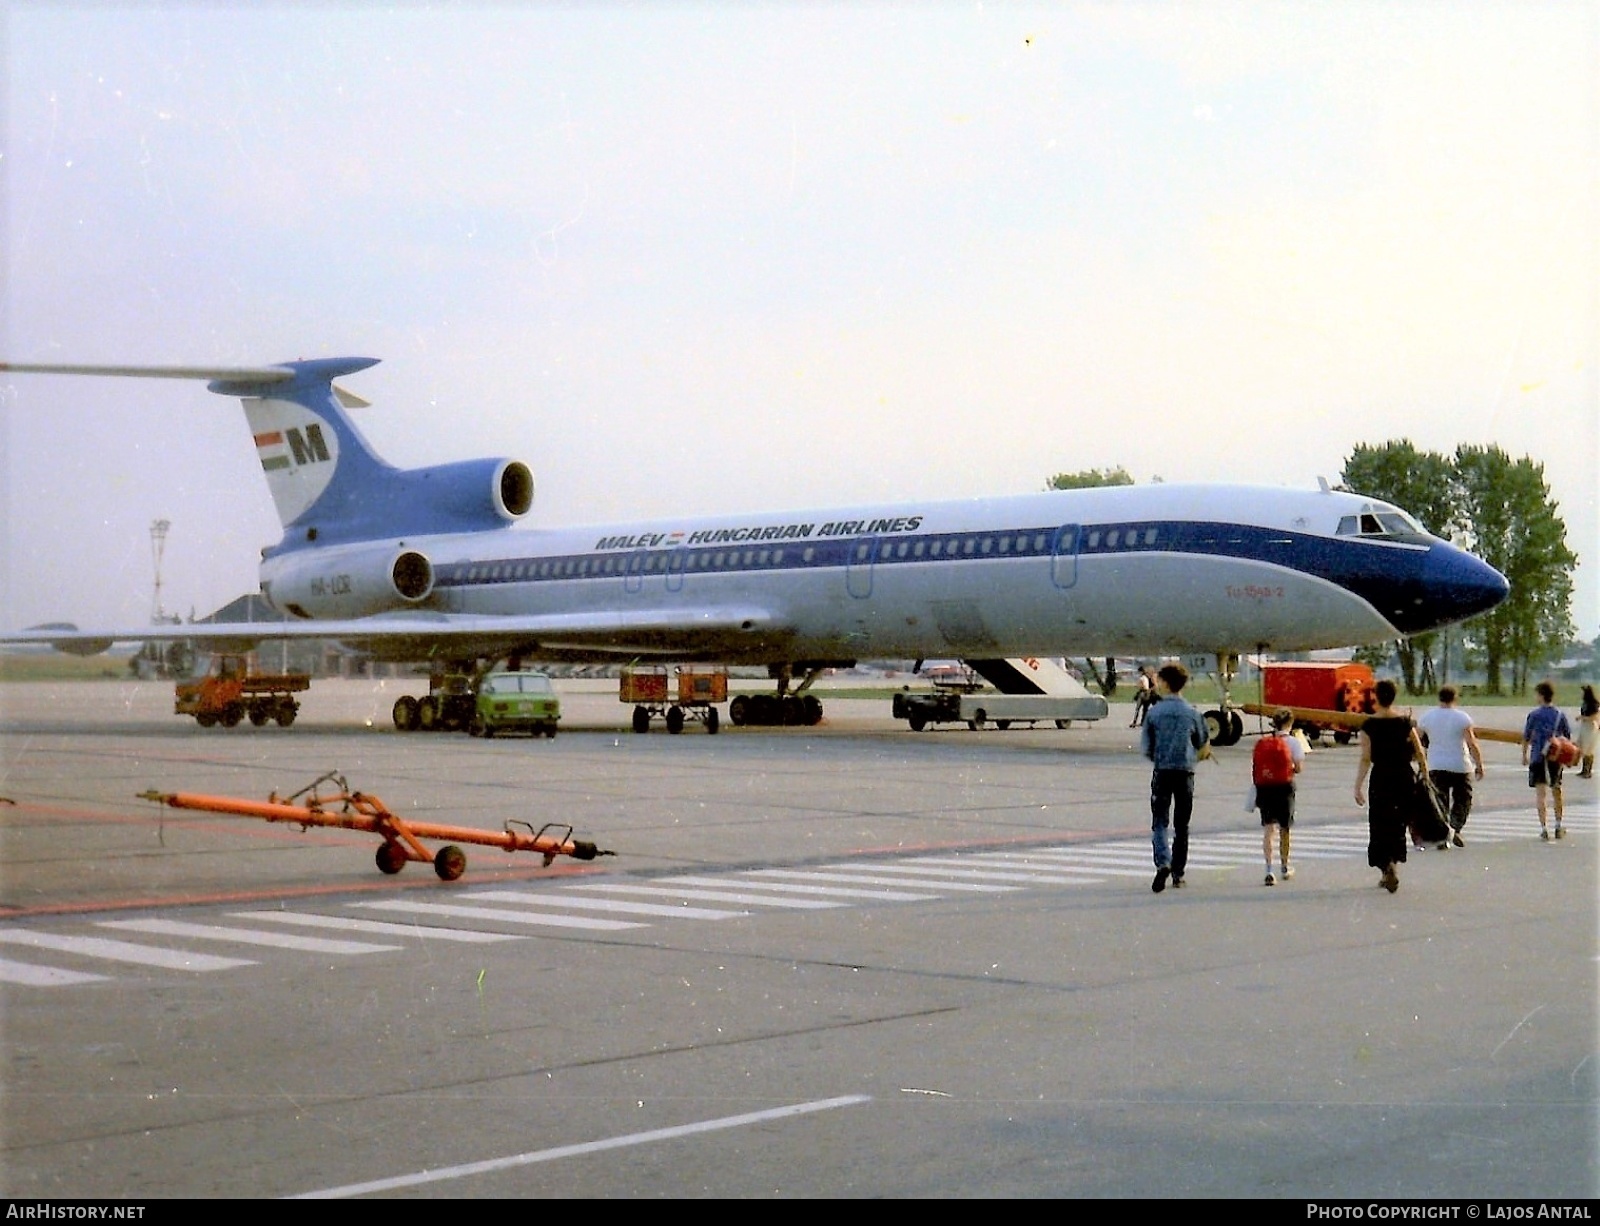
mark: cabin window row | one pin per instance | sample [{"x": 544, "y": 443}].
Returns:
[
  {"x": 1120, "y": 538},
  {"x": 1031, "y": 542}
]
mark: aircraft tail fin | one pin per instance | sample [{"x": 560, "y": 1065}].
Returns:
[
  {"x": 313, "y": 457},
  {"x": 327, "y": 483}
]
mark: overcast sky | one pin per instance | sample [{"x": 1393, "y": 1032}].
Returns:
[{"x": 730, "y": 257}]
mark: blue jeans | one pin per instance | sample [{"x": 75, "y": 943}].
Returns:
[{"x": 1171, "y": 791}]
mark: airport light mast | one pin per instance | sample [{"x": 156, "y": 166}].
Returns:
[{"x": 158, "y": 548}]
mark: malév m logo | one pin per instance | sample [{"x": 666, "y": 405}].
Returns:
[
  {"x": 307, "y": 446},
  {"x": 310, "y": 448},
  {"x": 299, "y": 453}
]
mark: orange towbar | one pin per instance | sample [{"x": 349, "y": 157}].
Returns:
[
  {"x": 402, "y": 839},
  {"x": 1353, "y": 720}
]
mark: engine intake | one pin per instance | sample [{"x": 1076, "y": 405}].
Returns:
[
  {"x": 472, "y": 494},
  {"x": 515, "y": 483}
]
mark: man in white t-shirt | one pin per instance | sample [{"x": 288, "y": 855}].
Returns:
[{"x": 1449, "y": 739}]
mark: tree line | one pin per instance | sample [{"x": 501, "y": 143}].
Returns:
[{"x": 1500, "y": 509}]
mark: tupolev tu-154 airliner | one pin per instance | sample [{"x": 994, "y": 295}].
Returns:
[{"x": 413, "y": 564}]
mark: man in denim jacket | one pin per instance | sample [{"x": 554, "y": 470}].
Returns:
[{"x": 1173, "y": 736}]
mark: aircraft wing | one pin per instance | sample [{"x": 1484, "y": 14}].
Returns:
[{"x": 721, "y": 632}]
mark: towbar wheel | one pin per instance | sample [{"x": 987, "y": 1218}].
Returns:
[{"x": 449, "y": 862}]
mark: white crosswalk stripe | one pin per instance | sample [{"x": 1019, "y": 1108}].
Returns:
[
  {"x": 991, "y": 868},
  {"x": 1102, "y": 862},
  {"x": 122, "y": 951},
  {"x": 1303, "y": 848},
  {"x": 563, "y": 899},
  {"x": 42, "y": 976},
  {"x": 734, "y": 896},
  {"x": 344, "y": 923},
  {"x": 246, "y": 936},
  {"x": 501, "y": 915},
  {"x": 894, "y": 874},
  {"x": 830, "y": 891},
  {"x": 573, "y": 906}
]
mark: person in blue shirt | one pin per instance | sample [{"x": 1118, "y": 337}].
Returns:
[
  {"x": 1545, "y": 723},
  {"x": 1173, "y": 738}
]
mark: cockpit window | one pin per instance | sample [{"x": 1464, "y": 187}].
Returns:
[
  {"x": 1395, "y": 522},
  {"x": 1388, "y": 522}
]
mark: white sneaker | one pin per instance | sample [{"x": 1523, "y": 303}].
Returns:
[{"x": 1288, "y": 872}]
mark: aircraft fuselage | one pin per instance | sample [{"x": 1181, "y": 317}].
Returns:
[{"x": 1103, "y": 571}]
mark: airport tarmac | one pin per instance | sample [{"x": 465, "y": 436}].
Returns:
[{"x": 850, "y": 960}]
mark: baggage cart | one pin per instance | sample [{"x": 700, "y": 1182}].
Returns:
[{"x": 646, "y": 686}]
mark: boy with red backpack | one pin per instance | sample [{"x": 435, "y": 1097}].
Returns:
[{"x": 1274, "y": 764}]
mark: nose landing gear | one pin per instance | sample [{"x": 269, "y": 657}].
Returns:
[{"x": 1224, "y": 726}]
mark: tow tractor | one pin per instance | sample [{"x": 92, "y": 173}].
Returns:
[
  {"x": 348, "y": 810},
  {"x": 448, "y": 706},
  {"x": 230, "y": 692},
  {"x": 940, "y": 706}
]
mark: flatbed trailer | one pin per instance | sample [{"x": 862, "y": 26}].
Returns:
[{"x": 1002, "y": 710}]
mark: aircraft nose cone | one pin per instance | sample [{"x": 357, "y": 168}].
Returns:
[{"x": 1459, "y": 585}]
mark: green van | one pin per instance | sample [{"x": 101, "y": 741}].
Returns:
[{"x": 516, "y": 702}]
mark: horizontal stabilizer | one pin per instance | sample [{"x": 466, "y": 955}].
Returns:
[{"x": 232, "y": 374}]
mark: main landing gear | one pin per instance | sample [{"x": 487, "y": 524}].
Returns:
[
  {"x": 788, "y": 709},
  {"x": 774, "y": 710}
]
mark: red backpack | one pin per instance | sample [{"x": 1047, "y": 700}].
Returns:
[{"x": 1272, "y": 762}]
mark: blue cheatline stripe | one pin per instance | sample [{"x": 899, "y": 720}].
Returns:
[
  {"x": 1359, "y": 564},
  {"x": 586, "y": 1147}
]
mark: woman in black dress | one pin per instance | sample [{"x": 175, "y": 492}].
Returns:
[{"x": 1388, "y": 747}]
